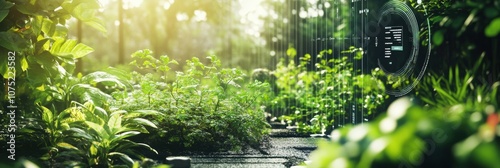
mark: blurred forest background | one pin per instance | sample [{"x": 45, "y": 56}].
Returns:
[
  {"x": 247, "y": 34},
  {"x": 256, "y": 33}
]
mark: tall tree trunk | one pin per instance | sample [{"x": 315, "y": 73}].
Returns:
[
  {"x": 79, "y": 35},
  {"x": 121, "y": 40},
  {"x": 153, "y": 36}
]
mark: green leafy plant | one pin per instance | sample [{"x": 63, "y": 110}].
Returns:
[
  {"x": 457, "y": 127},
  {"x": 462, "y": 135},
  {"x": 459, "y": 85},
  {"x": 35, "y": 35},
  {"x": 107, "y": 137},
  {"x": 453, "y": 24},
  {"x": 91, "y": 135},
  {"x": 91, "y": 87},
  {"x": 51, "y": 131},
  {"x": 206, "y": 107},
  {"x": 317, "y": 100},
  {"x": 36, "y": 31}
]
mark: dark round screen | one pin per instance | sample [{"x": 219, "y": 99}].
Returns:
[{"x": 394, "y": 42}]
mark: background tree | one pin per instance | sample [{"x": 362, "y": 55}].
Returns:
[{"x": 180, "y": 29}]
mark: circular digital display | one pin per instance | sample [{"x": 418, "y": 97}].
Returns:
[
  {"x": 397, "y": 47},
  {"x": 401, "y": 46}
]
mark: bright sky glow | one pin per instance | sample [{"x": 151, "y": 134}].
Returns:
[
  {"x": 250, "y": 13},
  {"x": 126, "y": 3}
]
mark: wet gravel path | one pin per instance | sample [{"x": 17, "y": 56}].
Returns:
[{"x": 285, "y": 149}]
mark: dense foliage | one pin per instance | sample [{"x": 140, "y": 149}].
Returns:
[
  {"x": 66, "y": 118},
  {"x": 114, "y": 117},
  {"x": 316, "y": 101},
  {"x": 453, "y": 119},
  {"x": 204, "y": 107},
  {"x": 463, "y": 135},
  {"x": 89, "y": 136},
  {"x": 464, "y": 31}
]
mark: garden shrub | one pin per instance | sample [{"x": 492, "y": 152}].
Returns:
[
  {"x": 316, "y": 101},
  {"x": 459, "y": 85},
  {"x": 35, "y": 37},
  {"x": 462, "y": 135},
  {"x": 204, "y": 107},
  {"x": 452, "y": 122},
  {"x": 88, "y": 135},
  {"x": 464, "y": 31}
]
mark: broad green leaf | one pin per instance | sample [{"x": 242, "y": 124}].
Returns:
[
  {"x": 4, "y": 9},
  {"x": 438, "y": 37},
  {"x": 101, "y": 113},
  {"x": 61, "y": 31},
  {"x": 143, "y": 121},
  {"x": 42, "y": 45},
  {"x": 28, "y": 8},
  {"x": 85, "y": 10},
  {"x": 162, "y": 166},
  {"x": 119, "y": 73},
  {"x": 119, "y": 112},
  {"x": 85, "y": 92},
  {"x": 36, "y": 24},
  {"x": 134, "y": 127},
  {"x": 49, "y": 5},
  {"x": 48, "y": 66},
  {"x": 493, "y": 28},
  {"x": 103, "y": 77},
  {"x": 71, "y": 5},
  {"x": 56, "y": 45},
  {"x": 4, "y": 69},
  {"x": 67, "y": 112},
  {"x": 24, "y": 64},
  {"x": 126, "y": 134},
  {"x": 78, "y": 132},
  {"x": 122, "y": 145},
  {"x": 115, "y": 122},
  {"x": 89, "y": 105},
  {"x": 96, "y": 24},
  {"x": 12, "y": 41},
  {"x": 93, "y": 150},
  {"x": 48, "y": 27},
  {"x": 124, "y": 157},
  {"x": 37, "y": 75},
  {"x": 69, "y": 49},
  {"x": 137, "y": 113},
  {"x": 68, "y": 64},
  {"x": 66, "y": 145},
  {"x": 147, "y": 147},
  {"x": 136, "y": 165},
  {"x": 81, "y": 50},
  {"x": 101, "y": 132},
  {"x": 47, "y": 115}
]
